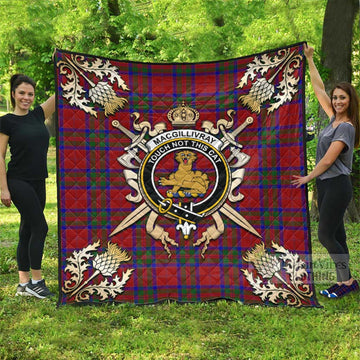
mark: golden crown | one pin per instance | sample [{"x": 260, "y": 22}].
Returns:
[{"x": 183, "y": 115}]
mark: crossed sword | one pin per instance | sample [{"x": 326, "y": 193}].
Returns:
[{"x": 143, "y": 209}]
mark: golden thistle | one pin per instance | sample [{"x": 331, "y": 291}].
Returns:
[
  {"x": 102, "y": 93},
  {"x": 267, "y": 265},
  {"x": 260, "y": 91},
  {"x": 108, "y": 262}
]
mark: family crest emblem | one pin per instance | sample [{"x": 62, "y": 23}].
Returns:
[{"x": 170, "y": 179}]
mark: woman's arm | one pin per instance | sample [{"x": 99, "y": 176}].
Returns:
[
  {"x": 329, "y": 158},
  {"x": 4, "y": 190},
  {"x": 317, "y": 82},
  {"x": 48, "y": 106}
]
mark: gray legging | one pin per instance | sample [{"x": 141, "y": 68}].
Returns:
[
  {"x": 29, "y": 197},
  {"x": 334, "y": 196}
]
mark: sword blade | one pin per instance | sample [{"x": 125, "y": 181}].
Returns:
[
  {"x": 233, "y": 215},
  {"x": 136, "y": 215}
]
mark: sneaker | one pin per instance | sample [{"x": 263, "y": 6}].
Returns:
[
  {"x": 343, "y": 290},
  {"x": 20, "y": 291},
  {"x": 330, "y": 290},
  {"x": 39, "y": 290}
]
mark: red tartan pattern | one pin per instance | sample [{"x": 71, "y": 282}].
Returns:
[{"x": 93, "y": 190}]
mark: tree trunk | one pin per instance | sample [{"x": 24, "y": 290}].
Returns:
[
  {"x": 314, "y": 212},
  {"x": 337, "y": 40},
  {"x": 50, "y": 125},
  {"x": 113, "y": 31},
  {"x": 336, "y": 53}
]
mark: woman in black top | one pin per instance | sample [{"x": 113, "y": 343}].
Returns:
[{"x": 23, "y": 184}]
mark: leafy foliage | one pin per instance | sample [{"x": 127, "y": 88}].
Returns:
[
  {"x": 26, "y": 44},
  {"x": 139, "y": 30}
]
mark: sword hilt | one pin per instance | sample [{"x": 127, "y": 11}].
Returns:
[
  {"x": 230, "y": 137},
  {"x": 136, "y": 140}
]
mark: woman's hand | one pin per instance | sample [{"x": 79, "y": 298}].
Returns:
[
  {"x": 300, "y": 180},
  {"x": 308, "y": 51},
  {"x": 6, "y": 198}
]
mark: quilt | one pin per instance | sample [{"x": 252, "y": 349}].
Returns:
[{"x": 174, "y": 180}]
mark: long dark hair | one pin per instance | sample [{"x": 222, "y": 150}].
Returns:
[
  {"x": 15, "y": 81},
  {"x": 353, "y": 109}
]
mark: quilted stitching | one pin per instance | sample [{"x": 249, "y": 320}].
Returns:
[{"x": 94, "y": 192}]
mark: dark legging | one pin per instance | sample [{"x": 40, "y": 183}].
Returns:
[
  {"x": 334, "y": 196},
  {"x": 29, "y": 197}
]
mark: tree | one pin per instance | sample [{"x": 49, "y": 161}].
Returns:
[
  {"x": 337, "y": 40},
  {"x": 26, "y": 44}
]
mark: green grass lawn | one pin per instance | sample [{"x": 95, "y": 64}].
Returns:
[{"x": 222, "y": 330}]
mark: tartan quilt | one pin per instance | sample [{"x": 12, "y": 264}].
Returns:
[{"x": 174, "y": 180}]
